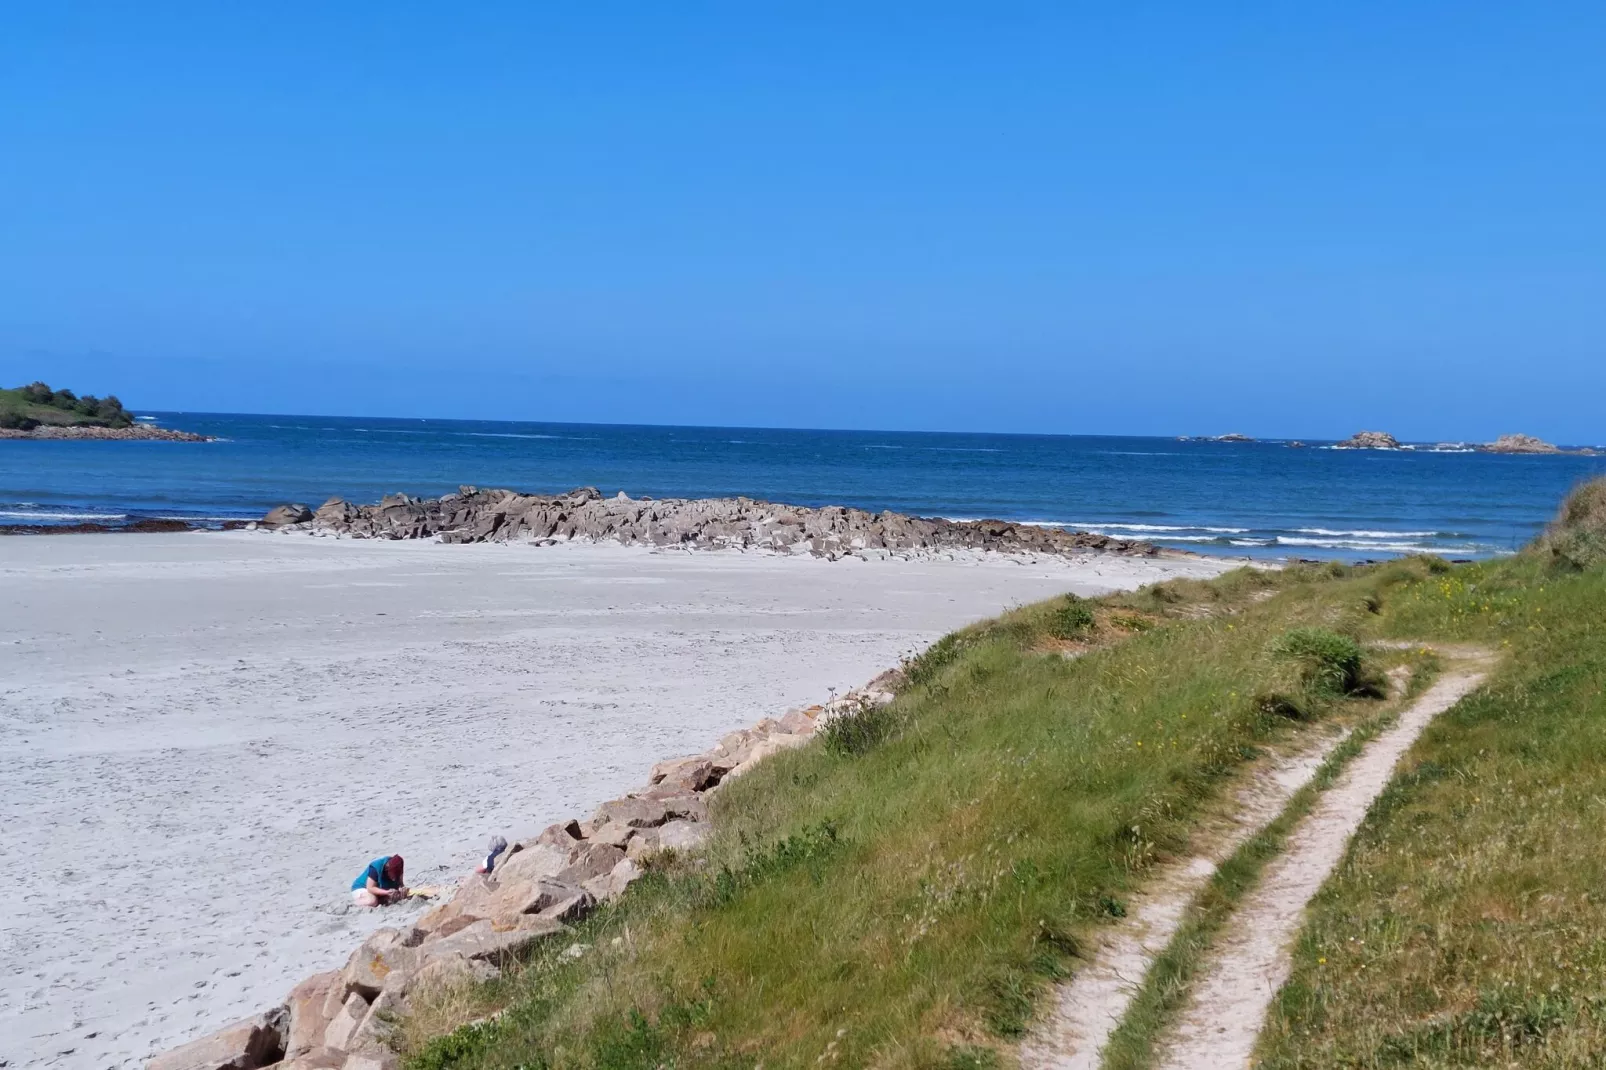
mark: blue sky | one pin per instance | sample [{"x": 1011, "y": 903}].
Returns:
[{"x": 1284, "y": 219}]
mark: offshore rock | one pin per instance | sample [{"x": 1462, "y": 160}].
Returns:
[
  {"x": 1369, "y": 440},
  {"x": 474, "y": 515},
  {"x": 1519, "y": 444}
]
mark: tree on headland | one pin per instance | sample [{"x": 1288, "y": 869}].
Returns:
[{"x": 26, "y": 407}]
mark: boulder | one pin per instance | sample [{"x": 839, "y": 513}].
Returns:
[
  {"x": 345, "y": 1024},
  {"x": 637, "y": 813},
  {"x": 592, "y": 861},
  {"x": 481, "y": 942},
  {"x": 572, "y": 904},
  {"x": 531, "y": 861},
  {"x": 385, "y": 952},
  {"x": 565, "y": 836},
  {"x": 696, "y": 773},
  {"x": 280, "y": 515},
  {"x": 248, "y": 1044},
  {"x": 316, "y": 1059},
  {"x": 309, "y": 1013},
  {"x": 615, "y": 834},
  {"x": 682, "y": 835},
  {"x": 797, "y": 723},
  {"x": 612, "y": 884}
]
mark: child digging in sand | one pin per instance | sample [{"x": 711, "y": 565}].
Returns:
[{"x": 380, "y": 883}]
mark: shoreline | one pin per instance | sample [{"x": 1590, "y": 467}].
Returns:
[{"x": 288, "y": 708}]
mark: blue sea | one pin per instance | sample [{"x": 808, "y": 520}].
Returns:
[{"x": 1262, "y": 499}]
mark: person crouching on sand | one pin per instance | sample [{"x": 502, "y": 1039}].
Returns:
[{"x": 380, "y": 883}]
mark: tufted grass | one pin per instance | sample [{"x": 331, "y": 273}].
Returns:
[
  {"x": 1466, "y": 927},
  {"x": 904, "y": 898}
]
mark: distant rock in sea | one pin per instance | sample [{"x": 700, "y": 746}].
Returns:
[
  {"x": 1520, "y": 444},
  {"x": 1369, "y": 440},
  {"x": 474, "y": 515},
  {"x": 1233, "y": 437}
]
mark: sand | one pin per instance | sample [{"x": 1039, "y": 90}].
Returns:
[{"x": 206, "y": 736}]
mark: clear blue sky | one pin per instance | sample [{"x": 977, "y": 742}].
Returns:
[{"x": 1294, "y": 219}]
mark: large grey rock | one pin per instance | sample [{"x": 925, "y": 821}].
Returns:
[
  {"x": 309, "y": 1012},
  {"x": 248, "y": 1044},
  {"x": 384, "y": 953},
  {"x": 484, "y": 942},
  {"x": 345, "y": 1024},
  {"x": 281, "y": 515},
  {"x": 612, "y": 884},
  {"x": 591, "y": 861}
]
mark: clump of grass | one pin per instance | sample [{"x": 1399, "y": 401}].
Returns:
[
  {"x": 1330, "y": 662},
  {"x": 1071, "y": 619},
  {"x": 859, "y": 729},
  {"x": 1576, "y": 538}
]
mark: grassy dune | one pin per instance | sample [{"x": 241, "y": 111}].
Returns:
[{"x": 902, "y": 893}]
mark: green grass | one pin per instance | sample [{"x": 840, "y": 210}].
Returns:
[
  {"x": 30, "y": 406},
  {"x": 1467, "y": 924},
  {"x": 902, "y": 894}
]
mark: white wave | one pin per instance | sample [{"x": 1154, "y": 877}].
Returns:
[
  {"x": 951, "y": 449},
  {"x": 1367, "y": 534},
  {"x": 1157, "y": 527},
  {"x": 31, "y": 515},
  {"x": 488, "y": 434},
  {"x": 1386, "y": 547}
]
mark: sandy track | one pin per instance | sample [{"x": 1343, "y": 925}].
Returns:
[
  {"x": 203, "y": 737},
  {"x": 1088, "y": 1008},
  {"x": 1228, "y": 1005}
]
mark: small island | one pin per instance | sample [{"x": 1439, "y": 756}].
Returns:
[
  {"x": 36, "y": 411},
  {"x": 1520, "y": 444},
  {"x": 1369, "y": 440}
]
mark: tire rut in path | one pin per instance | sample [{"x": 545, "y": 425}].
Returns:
[
  {"x": 1224, "y": 1015},
  {"x": 1091, "y": 1004}
]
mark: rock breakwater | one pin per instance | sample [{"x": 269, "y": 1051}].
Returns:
[
  {"x": 475, "y": 515},
  {"x": 136, "y": 433},
  {"x": 342, "y": 1019}
]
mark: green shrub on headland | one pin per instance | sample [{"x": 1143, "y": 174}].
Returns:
[{"x": 27, "y": 407}]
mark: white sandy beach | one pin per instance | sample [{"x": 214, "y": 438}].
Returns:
[{"x": 205, "y": 736}]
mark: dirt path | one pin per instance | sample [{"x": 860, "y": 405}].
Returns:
[
  {"x": 1224, "y": 1015},
  {"x": 1088, "y": 1007}
]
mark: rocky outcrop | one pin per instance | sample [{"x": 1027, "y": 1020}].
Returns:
[
  {"x": 1519, "y": 444},
  {"x": 284, "y": 515},
  {"x": 135, "y": 433},
  {"x": 1369, "y": 440},
  {"x": 474, "y": 515},
  {"x": 341, "y": 1020}
]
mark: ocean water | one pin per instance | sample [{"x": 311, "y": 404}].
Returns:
[{"x": 1258, "y": 499}]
